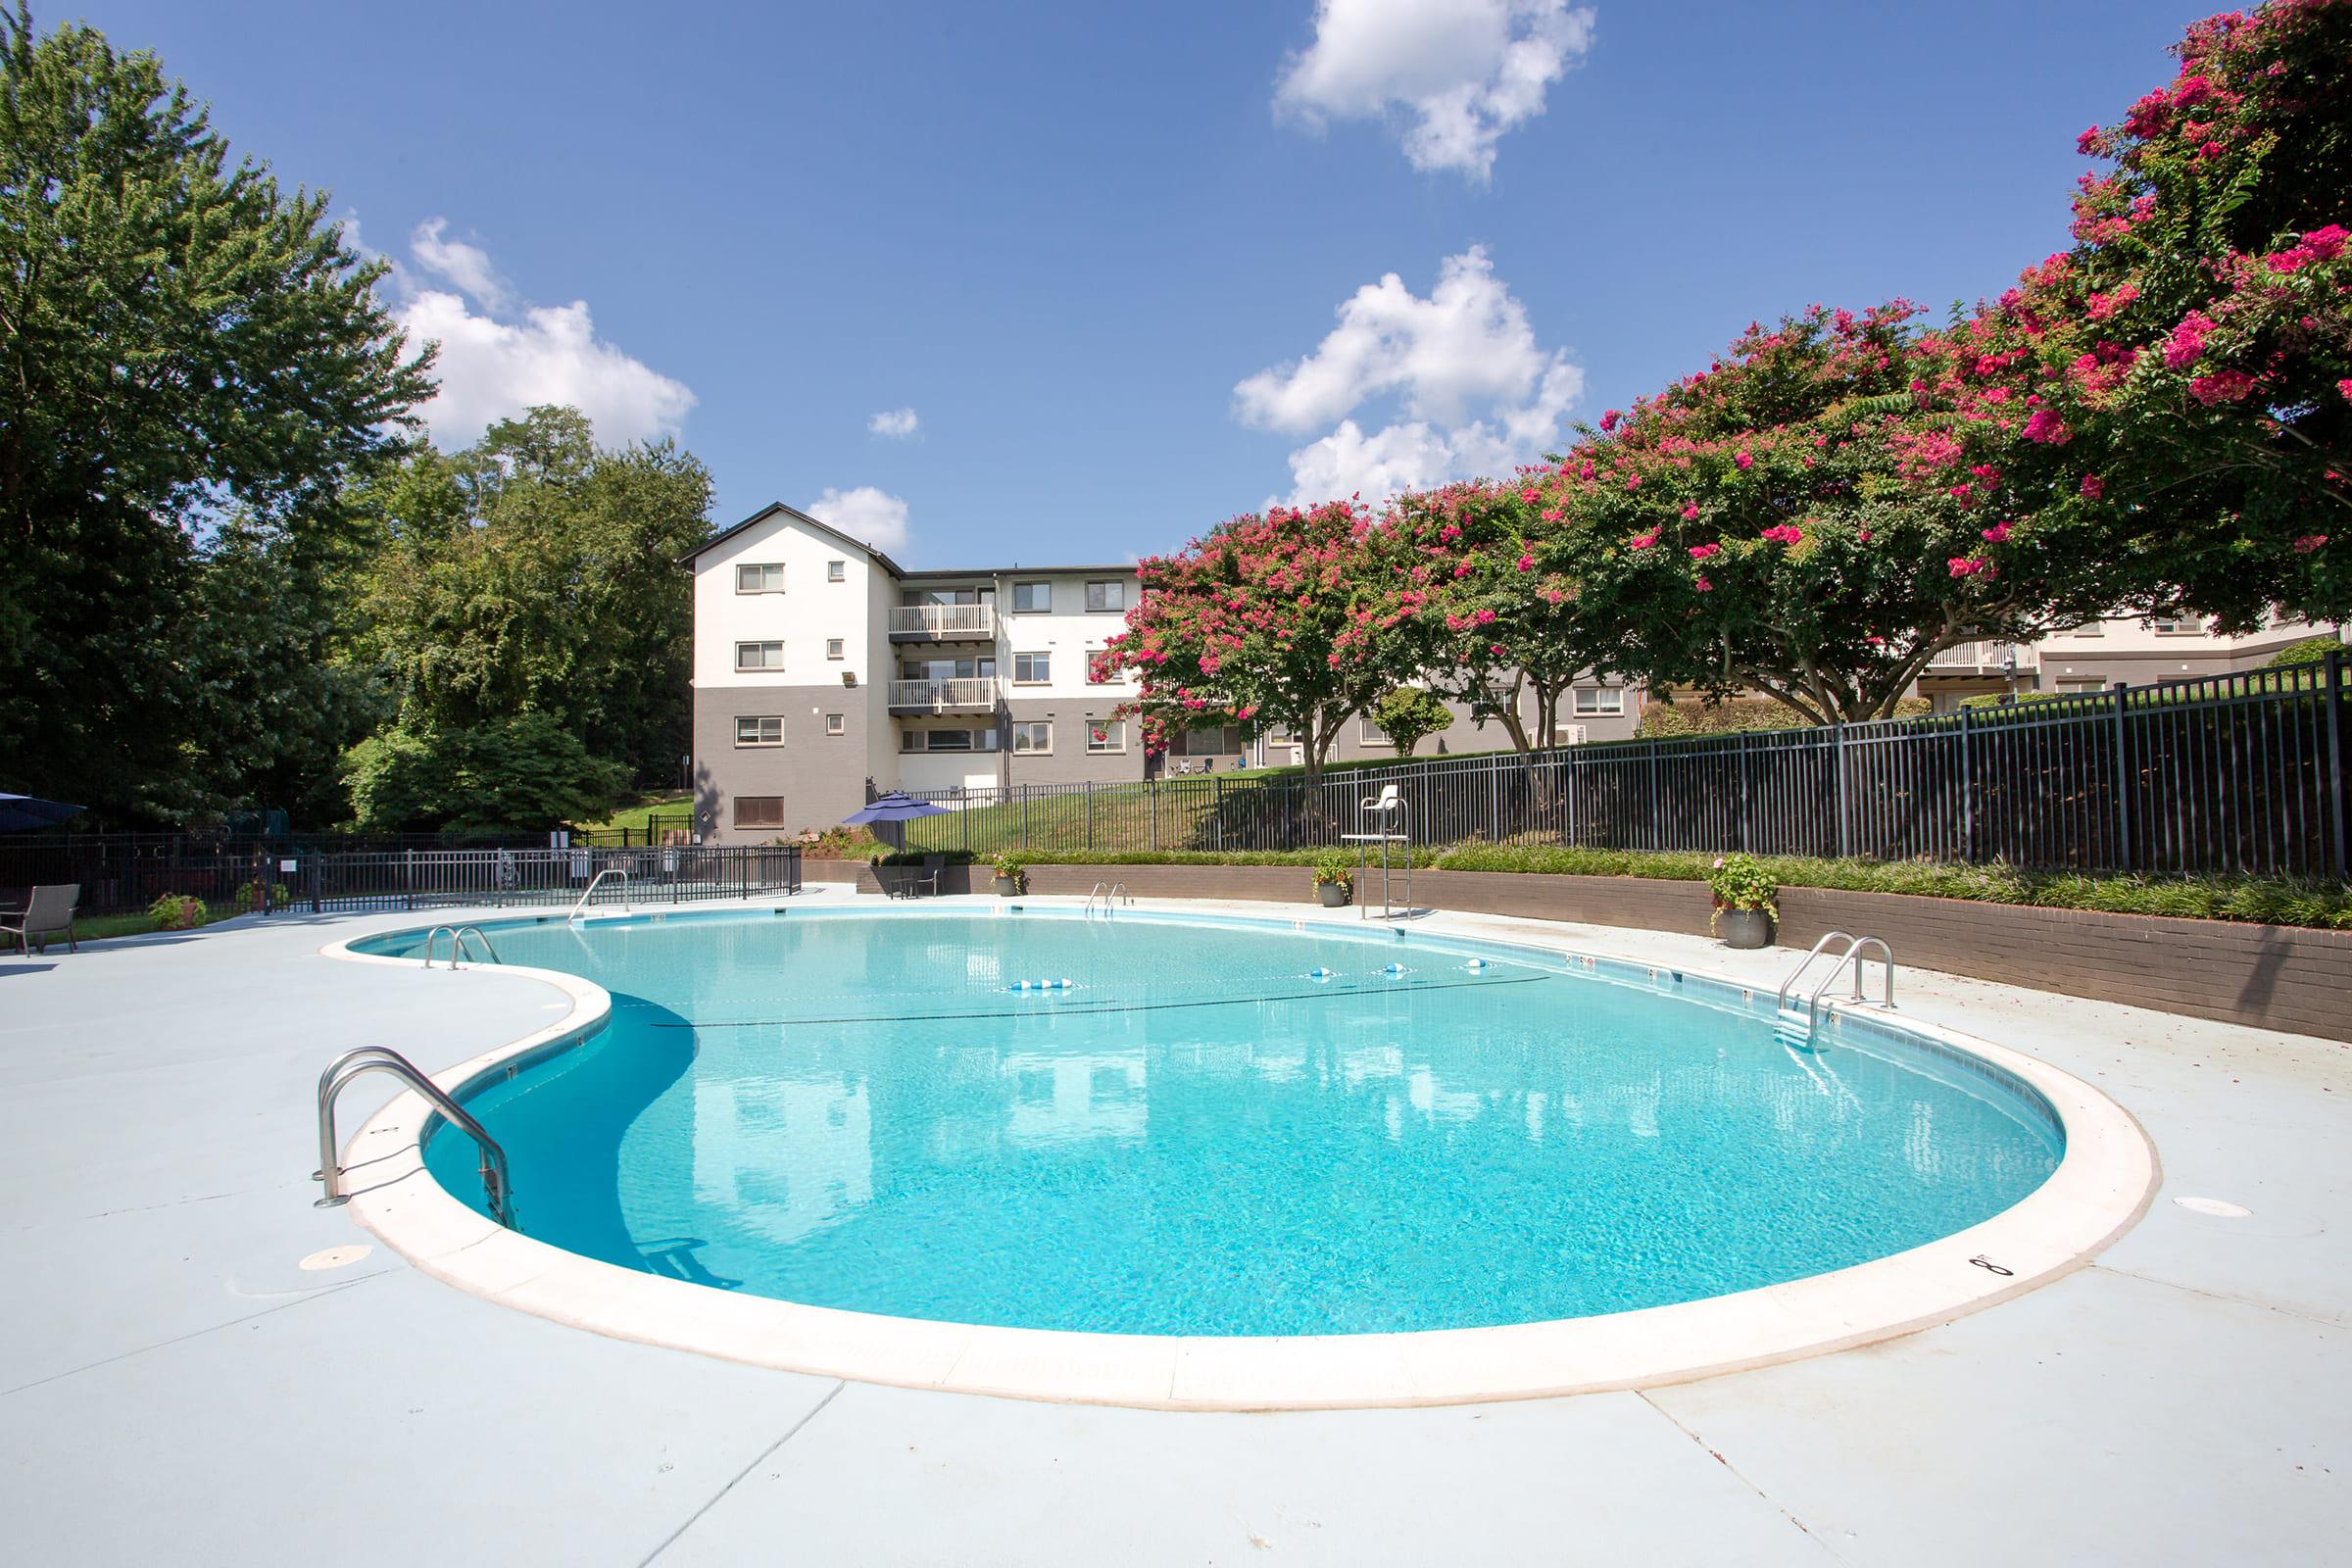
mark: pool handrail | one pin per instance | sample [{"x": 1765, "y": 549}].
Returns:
[
  {"x": 596, "y": 882},
  {"x": 360, "y": 1060}
]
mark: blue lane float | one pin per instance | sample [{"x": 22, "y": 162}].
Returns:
[
  {"x": 1041, "y": 985},
  {"x": 1320, "y": 973},
  {"x": 1393, "y": 968}
]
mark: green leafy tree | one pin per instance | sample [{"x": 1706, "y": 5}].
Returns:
[
  {"x": 1409, "y": 715},
  {"x": 179, "y": 337},
  {"x": 526, "y": 773}
]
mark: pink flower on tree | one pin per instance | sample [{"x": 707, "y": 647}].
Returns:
[
  {"x": 2093, "y": 487},
  {"x": 1705, "y": 552},
  {"x": 1609, "y": 418},
  {"x": 1968, "y": 565},
  {"x": 1743, "y": 460},
  {"x": 1642, "y": 540},
  {"x": 1527, "y": 563},
  {"x": 2309, "y": 542},
  {"x": 1786, "y": 533},
  {"x": 1690, "y": 511},
  {"x": 1703, "y": 586},
  {"x": 1998, "y": 534},
  {"x": 2221, "y": 386},
  {"x": 2187, "y": 341},
  {"x": 2046, "y": 427}
]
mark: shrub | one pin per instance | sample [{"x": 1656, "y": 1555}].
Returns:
[
  {"x": 529, "y": 772},
  {"x": 1012, "y": 868},
  {"x": 249, "y": 896},
  {"x": 1410, "y": 714},
  {"x": 2309, "y": 651},
  {"x": 177, "y": 912},
  {"x": 1331, "y": 867}
]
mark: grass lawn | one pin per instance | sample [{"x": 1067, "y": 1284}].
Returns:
[
  {"x": 92, "y": 927},
  {"x": 631, "y": 811}
]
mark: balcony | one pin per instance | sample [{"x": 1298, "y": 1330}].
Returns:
[
  {"x": 939, "y": 623},
  {"x": 974, "y": 694},
  {"x": 1981, "y": 659}
]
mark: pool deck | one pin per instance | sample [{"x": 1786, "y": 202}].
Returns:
[{"x": 176, "y": 1388}]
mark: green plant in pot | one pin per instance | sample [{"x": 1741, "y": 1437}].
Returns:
[
  {"x": 1011, "y": 873},
  {"x": 1744, "y": 911},
  {"x": 1335, "y": 879}
]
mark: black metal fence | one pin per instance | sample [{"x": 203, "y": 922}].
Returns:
[
  {"x": 2242, "y": 774},
  {"x": 116, "y": 874}
]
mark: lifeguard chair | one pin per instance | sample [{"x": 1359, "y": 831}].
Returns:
[{"x": 1382, "y": 819}]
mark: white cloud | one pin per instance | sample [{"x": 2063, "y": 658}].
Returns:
[
  {"x": 874, "y": 516},
  {"x": 496, "y": 362},
  {"x": 1457, "y": 73},
  {"x": 895, "y": 424},
  {"x": 466, "y": 265},
  {"x": 1477, "y": 393}
]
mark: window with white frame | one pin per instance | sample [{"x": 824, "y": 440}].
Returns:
[
  {"x": 1032, "y": 598},
  {"x": 837, "y": 572},
  {"x": 1033, "y": 735},
  {"x": 833, "y": 648},
  {"x": 1105, "y": 735},
  {"x": 1104, "y": 598},
  {"x": 765, "y": 578},
  {"x": 1371, "y": 734},
  {"x": 2082, "y": 683},
  {"x": 2176, "y": 626},
  {"x": 759, "y": 656},
  {"x": 1032, "y": 669},
  {"x": 1097, "y": 673},
  {"x": 1599, "y": 700},
  {"x": 755, "y": 730},
  {"x": 837, "y": 723},
  {"x": 2094, "y": 628}
]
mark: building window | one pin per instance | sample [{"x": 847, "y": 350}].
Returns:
[
  {"x": 1599, "y": 700},
  {"x": 1036, "y": 735},
  {"x": 1032, "y": 669},
  {"x": 837, "y": 572},
  {"x": 1032, "y": 598},
  {"x": 947, "y": 740},
  {"x": 752, "y": 731},
  {"x": 1098, "y": 672},
  {"x": 2083, "y": 683},
  {"x": 837, "y": 724},
  {"x": 2176, "y": 627},
  {"x": 759, "y": 810},
  {"x": 2094, "y": 629},
  {"x": 1105, "y": 735},
  {"x": 1371, "y": 734},
  {"x": 759, "y": 656},
  {"x": 767, "y": 579},
  {"x": 832, "y": 648},
  {"x": 1213, "y": 740},
  {"x": 1102, "y": 598}
]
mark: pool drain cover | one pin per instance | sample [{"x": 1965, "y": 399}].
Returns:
[{"x": 336, "y": 1257}]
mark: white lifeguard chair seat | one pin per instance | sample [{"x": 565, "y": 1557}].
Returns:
[{"x": 1389, "y": 800}]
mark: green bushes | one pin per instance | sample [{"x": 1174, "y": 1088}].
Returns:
[{"x": 177, "y": 912}]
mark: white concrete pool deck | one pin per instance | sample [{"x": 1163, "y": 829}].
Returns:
[{"x": 175, "y": 1388}]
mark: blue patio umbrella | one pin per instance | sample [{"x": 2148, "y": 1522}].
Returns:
[
  {"x": 891, "y": 808},
  {"x": 21, "y": 812}
]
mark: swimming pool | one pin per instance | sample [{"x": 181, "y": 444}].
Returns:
[{"x": 1232, "y": 1129}]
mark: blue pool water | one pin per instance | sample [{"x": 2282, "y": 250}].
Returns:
[{"x": 1203, "y": 1135}]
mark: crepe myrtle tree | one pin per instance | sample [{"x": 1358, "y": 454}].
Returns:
[
  {"x": 1761, "y": 525},
  {"x": 1270, "y": 622},
  {"x": 1483, "y": 619},
  {"x": 2182, "y": 374}
]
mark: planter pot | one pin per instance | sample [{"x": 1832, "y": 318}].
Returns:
[
  {"x": 1743, "y": 928},
  {"x": 1008, "y": 886},
  {"x": 1332, "y": 895}
]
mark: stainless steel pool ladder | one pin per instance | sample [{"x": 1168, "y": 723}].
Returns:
[
  {"x": 456, "y": 944},
  {"x": 364, "y": 1059},
  {"x": 1109, "y": 893},
  {"x": 598, "y": 881},
  {"x": 1804, "y": 1023}
]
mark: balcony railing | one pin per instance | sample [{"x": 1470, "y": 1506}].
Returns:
[
  {"x": 943, "y": 621},
  {"x": 961, "y": 696},
  {"x": 1980, "y": 658}
]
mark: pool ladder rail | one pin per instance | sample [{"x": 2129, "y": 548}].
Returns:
[
  {"x": 456, "y": 944},
  {"x": 497, "y": 1189},
  {"x": 1804, "y": 1022},
  {"x": 1110, "y": 895},
  {"x": 598, "y": 881}
]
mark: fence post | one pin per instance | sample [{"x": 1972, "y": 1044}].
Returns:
[
  {"x": 1216, "y": 808},
  {"x": 2123, "y": 781},
  {"x": 1151, "y": 808},
  {"x": 1657, "y": 808},
  {"x": 1090, "y": 815},
  {"x": 1967, "y": 798},
  {"x": 2336, "y": 782},
  {"x": 1744, "y": 827},
  {"x": 409, "y": 878},
  {"x": 1837, "y": 761}
]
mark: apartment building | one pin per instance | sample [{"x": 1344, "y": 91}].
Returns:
[
  {"x": 819, "y": 663},
  {"x": 2104, "y": 654}
]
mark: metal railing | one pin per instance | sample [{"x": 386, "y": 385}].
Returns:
[
  {"x": 588, "y": 895},
  {"x": 944, "y": 621},
  {"x": 1986, "y": 657},
  {"x": 497, "y": 1189},
  {"x": 958, "y": 695},
  {"x": 2241, "y": 774}
]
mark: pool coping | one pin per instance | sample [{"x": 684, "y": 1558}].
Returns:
[{"x": 2102, "y": 1185}]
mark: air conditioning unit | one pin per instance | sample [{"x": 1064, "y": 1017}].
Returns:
[{"x": 1571, "y": 734}]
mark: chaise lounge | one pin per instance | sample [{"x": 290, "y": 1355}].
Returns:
[{"x": 49, "y": 910}]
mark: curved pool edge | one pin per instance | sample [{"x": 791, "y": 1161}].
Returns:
[{"x": 2103, "y": 1183}]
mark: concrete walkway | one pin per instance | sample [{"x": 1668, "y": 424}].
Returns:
[{"x": 175, "y": 1389}]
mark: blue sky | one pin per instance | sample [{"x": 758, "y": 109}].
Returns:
[{"x": 1125, "y": 261}]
